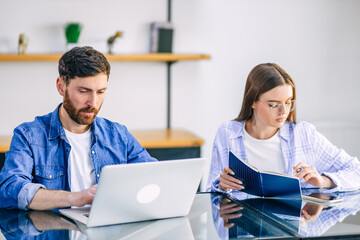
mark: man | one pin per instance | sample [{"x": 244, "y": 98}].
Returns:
[{"x": 55, "y": 161}]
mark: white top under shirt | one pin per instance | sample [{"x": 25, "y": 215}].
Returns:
[
  {"x": 80, "y": 164},
  {"x": 265, "y": 155}
]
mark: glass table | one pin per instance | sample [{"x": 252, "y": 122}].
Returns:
[{"x": 212, "y": 216}]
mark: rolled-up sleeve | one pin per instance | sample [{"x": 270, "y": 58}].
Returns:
[
  {"x": 336, "y": 164},
  {"x": 27, "y": 193},
  {"x": 16, "y": 187},
  {"x": 219, "y": 159}
]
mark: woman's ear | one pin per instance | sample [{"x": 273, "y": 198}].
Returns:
[
  {"x": 253, "y": 105},
  {"x": 61, "y": 86}
]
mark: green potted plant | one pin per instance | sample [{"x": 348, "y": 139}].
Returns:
[{"x": 72, "y": 33}]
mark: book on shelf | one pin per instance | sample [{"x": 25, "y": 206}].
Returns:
[
  {"x": 161, "y": 37},
  {"x": 273, "y": 185}
]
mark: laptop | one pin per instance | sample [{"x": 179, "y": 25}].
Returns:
[{"x": 141, "y": 191}]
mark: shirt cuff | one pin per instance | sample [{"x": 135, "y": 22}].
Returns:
[
  {"x": 336, "y": 181},
  {"x": 215, "y": 186},
  {"x": 27, "y": 193}
]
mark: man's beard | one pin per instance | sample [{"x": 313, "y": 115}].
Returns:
[{"x": 76, "y": 115}]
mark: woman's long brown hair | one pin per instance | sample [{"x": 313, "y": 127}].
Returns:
[{"x": 261, "y": 79}]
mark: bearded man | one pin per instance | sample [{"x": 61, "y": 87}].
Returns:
[{"x": 55, "y": 161}]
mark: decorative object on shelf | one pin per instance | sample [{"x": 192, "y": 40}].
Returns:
[
  {"x": 23, "y": 43},
  {"x": 112, "y": 39},
  {"x": 161, "y": 37},
  {"x": 72, "y": 33}
]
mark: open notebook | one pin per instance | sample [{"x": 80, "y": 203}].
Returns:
[
  {"x": 274, "y": 185},
  {"x": 262, "y": 183}
]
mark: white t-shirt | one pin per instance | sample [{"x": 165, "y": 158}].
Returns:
[
  {"x": 80, "y": 164},
  {"x": 265, "y": 155}
]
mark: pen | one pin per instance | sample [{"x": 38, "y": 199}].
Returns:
[{"x": 299, "y": 169}]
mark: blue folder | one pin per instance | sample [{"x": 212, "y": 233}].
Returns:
[{"x": 264, "y": 184}]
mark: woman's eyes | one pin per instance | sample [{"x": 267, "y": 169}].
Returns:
[
  {"x": 274, "y": 106},
  {"x": 279, "y": 104}
]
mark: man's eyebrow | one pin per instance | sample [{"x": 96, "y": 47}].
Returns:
[
  {"x": 88, "y": 89},
  {"x": 84, "y": 88}
]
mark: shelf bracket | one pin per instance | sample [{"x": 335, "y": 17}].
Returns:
[
  {"x": 168, "y": 68},
  {"x": 168, "y": 120}
]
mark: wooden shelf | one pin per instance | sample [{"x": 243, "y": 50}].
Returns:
[
  {"x": 147, "y": 57},
  {"x": 167, "y": 138},
  {"x": 162, "y": 138},
  {"x": 4, "y": 143}
]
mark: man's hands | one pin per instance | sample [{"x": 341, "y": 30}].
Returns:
[
  {"x": 311, "y": 175},
  {"x": 84, "y": 197},
  {"x": 45, "y": 199},
  {"x": 228, "y": 182}
]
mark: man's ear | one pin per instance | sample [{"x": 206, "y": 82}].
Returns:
[{"x": 61, "y": 86}]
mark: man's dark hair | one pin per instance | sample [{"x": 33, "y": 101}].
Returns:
[{"x": 82, "y": 62}]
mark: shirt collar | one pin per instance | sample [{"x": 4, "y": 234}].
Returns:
[
  {"x": 240, "y": 130},
  {"x": 56, "y": 128},
  {"x": 283, "y": 132}
]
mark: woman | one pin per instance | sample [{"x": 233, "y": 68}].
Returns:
[{"x": 266, "y": 135}]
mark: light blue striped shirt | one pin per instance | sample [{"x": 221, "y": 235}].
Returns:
[{"x": 300, "y": 142}]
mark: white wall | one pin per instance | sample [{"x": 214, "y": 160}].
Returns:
[{"x": 316, "y": 42}]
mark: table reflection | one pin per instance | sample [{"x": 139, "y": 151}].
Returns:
[
  {"x": 16, "y": 224},
  {"x": 244, "y": 219},
  {"x": 324, "y": 218},
  {"x": 242, "y": 216},
  {"x": 51, "y": 225},
  {"x": 212, "y": 216}
]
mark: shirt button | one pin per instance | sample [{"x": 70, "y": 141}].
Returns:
[
  {"x": 50, "y": 176},
  {"x": 98, "y": 175},
  {"x": 67, "y": 150},
  {"x": 93, "y": 152}
]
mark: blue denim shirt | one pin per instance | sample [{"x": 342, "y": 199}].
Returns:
[{"x": 39, "y": 152}]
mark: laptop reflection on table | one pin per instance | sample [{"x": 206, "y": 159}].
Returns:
[
  {"x": 178, "y": 228},
  {"x": 142, "y": 191}
]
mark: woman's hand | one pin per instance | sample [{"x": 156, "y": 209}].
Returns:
[
  {"x": 311, "y": 211},
  {"x": 311, "y": 175},
  {"x": 229, "y": 210},
  {"x": 228, "y": 182}
]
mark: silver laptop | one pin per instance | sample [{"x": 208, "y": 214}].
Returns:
[{"x": 142, "y": 191}]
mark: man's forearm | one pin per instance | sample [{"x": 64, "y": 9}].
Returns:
[{"x": 45, "y": 199}]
